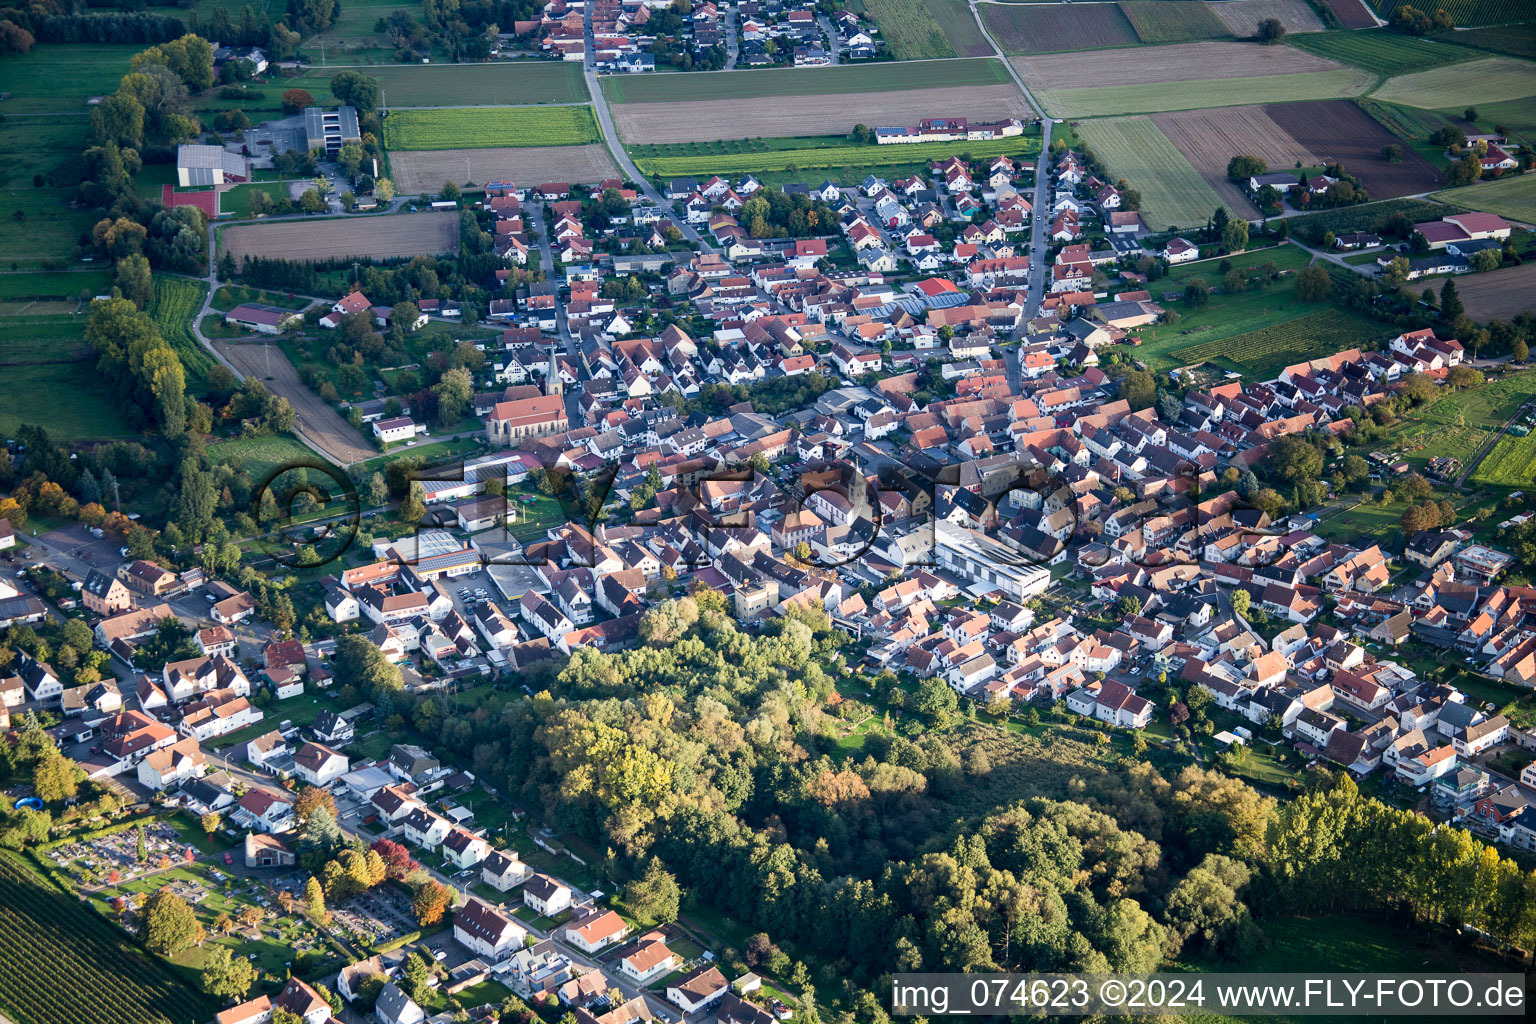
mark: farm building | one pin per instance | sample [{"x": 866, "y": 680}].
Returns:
[
  {"x": 400, "y": 428},
  {"x": 209, "y": 165},
  {"x": 331, "y": 129},
  {"x": 261, "y": 318}
]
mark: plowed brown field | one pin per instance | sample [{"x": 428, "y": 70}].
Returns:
[
  {"x": 382, "y": 237},
  {"x": 833, "y": 114},
  {"x": 1209, "y": 138},
  {"x": 424, "y": 171},
  {"x": 1339, "y": 130}
]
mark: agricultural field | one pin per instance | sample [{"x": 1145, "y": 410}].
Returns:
[
  {"x": 1165, "y": 78},
  {"x": 65, "y": 963},
  {"x": 1457, "y": 85},
  {"x": 1499, "y": 294},
  {"x": 789, "y": 116},
  {"x": 1242, "y": 17},
  {"x": 420, "y": 172},
  {"x": 175, "y": 305},
  {"x": 446, "y": 85},
  {"x": 1516, "y": 40},
  {"x": 1052, "y": 28},
  {"x": 845, "y": 78},
  {"x": 1172, "y": 191},
  {"x": 1199, "y": 94},
  {"x": 1512, "y": 463},
  {"x": 1173, "y": 21},
  {"x": 811, "y": 155},
  {"x": 1340, "y": 130},
  {"x": 1510, "y": 197},
  {"x": 1468, "y": 13},
  {"x": 50, "y": 379},
  {"x": 1352, "y": 13},
  {"x": 462, "y": 127},
  {"x": 960, "y": 28},
  {"x": 1263, "y": 353},
  {"x": 1210, "y": 138},
  {"x": 384, "y": 237},
  {"x": 910, "y": 29},
  {"x": 60, "y": 286},
  {"x": 1382, "y": 50}
]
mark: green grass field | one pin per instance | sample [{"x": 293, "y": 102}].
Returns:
[
  {"x": 813, "y": 155},
  {"x": 1197, "y": 94},
  {"x": 462, "y": 127},
  {"x": 1173, "y": 21},
  {"x": 1172, "y": 191},
  {"x": 1284, "y": 257},
  {"x": 174, "y": 306},
  {"x": 433, "y": 85},
  {"x": 229, "y": 296},
  {"x": 1381, "y": 50},
  {"x": 1491, "y": 80},
  {"x": 1228, "y": 316},
  {"x": 63, "y": 285},
  {"x": 954, "y": 17},
  {"x": 259, "y": 456},
  {"x": 734, "y": 85},
  {"x": 236, "y": 202},
  {"x": 1512, "y": 463},
  {"x": 1512, "y": 197},
  {"x": 910, "y": 29},
  {"x": 1263, "y": 353},
  {"x": 50, "y": 380},
  {"x": 1408, "y": 123}
]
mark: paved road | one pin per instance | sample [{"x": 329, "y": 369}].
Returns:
[
  {"x": 1037, "y": 219},
  {"x": 834, "y": 48},
  {"x": 732, "y": 39},
  {"x": 616, "y": 147}
]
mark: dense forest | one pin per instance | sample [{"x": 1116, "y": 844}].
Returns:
[{"x": 946, "y": 843}]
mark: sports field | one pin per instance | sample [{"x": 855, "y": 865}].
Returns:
[
  {"x": 1382, "y": 50},
  {"x": 844, "y": 78},
  {"x": 1172, "y": 192},
  {"x": 1456, "y": 85},
  {"x": 464, "y": 127},
  {"x": 1511, "y": 197},
  {"x": 1173, "y": 21}
]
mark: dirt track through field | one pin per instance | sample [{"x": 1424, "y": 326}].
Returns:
[
  {"x": 1210, "y": 138},
  {"x": 1499, "y": 294},
  {"x": 379, "y": 237},
  {"x": 835, "y": 114},
  {"x": 423, "y": 171},
  {"x": 319, "y": 421},
  {"x": 1179, "y": 62}
]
